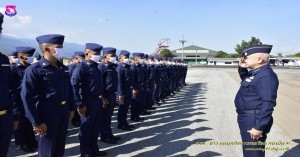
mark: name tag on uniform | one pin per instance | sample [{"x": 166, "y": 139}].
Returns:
[
  {"x": 49, "y": 73},
  {"x": 67, "y": 71},
  {"x": 5, "y": 65}
]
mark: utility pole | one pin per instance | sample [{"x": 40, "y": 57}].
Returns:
[
  {"x": 196, "y": 54},
  {"x": 182, "y": 42}
]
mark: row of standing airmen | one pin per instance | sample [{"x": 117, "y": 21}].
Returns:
[{"x": 45, "y": 93}]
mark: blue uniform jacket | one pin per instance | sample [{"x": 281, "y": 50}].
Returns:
[
  {"x": 138, "y": 76},
  {"x": 86, "y": 81},
  {"x": 45, "y": 87},
  {"x": 110, "y": 77},
  {"x": 18, "y": 71},
  {"x": 124, "y": 78},
  {"x": 258, "y": 91},
  {"x": 151, "y": 74},
  {"x": 8, "y": 87}
]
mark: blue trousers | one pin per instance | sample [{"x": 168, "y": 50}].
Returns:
[
  {"x": 56, "y": 118},
  {"x": 143, "y": 98},
  {"x": 251, "y": 148},
  {"x": 157, "y": 91},
  {"x": 123, "y": 108},
  {"x": 150, "y": 95},
  {"x": 6, "y": 131},
  {"x": 135, "y": 103},
  {"x": 105, "y": 124},
  {"x": 24, "y": 135},
  {"x": 89, "y": 128}
]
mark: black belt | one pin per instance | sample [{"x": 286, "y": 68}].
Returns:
[{"x": 247, "y": 111}]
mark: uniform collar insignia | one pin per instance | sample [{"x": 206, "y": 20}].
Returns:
[{"x": 44, "y": 62}]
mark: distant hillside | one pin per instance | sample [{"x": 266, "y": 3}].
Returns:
[{"x": 8, "y": 43}]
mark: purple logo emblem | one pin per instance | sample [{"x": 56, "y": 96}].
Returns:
[{"x": 10, "y": 10}]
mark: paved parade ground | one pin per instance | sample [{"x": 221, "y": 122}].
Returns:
[{"x": 200, "y": 120}]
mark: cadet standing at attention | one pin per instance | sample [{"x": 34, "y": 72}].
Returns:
[
  {"x": 47, "y": 96},
  {"x": 24, "y": 135},
  {"x": 144, "y": 68},
  {"x": 13, "y": 57},
  {"x": 124, "y": 90},
  {"x": 88, "y": 93},
  {"x": 110, "y": 86},
  {"x": 256, "y": 98},
  {"x": 151, "y": 83},
  {"x": 8, "y": 106},
  {"x": 78, "y": 57},
  {"x": 138, "y": 79}
]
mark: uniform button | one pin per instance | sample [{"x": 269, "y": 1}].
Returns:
[
  {"x": 63, "y": 102},
  {"x": 100, "y": 96}
]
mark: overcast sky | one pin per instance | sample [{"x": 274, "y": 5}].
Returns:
[{"x": 138, "y": 25}]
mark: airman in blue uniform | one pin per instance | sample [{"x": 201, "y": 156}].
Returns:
[
  {"x": 8, "y": 105},
  {"x": 13, "y": 57},
  {"x": 37, "y": 57},
  {"x": 151, "y": 83},
  {"x": 158, "y": 80},
  {"x": 88, "y": 93},
  {"x": 138, "y": 80},
  {"x": 46, "y": 91},
  {"x": 24, "y": 135},
  {"x": 78, "y": 57},
  {"x": 124, "y": 92},
  {"x": 256, "y": 98},
  {"x": 143, "y": 99},
  {"x": 110, "y": 86}
]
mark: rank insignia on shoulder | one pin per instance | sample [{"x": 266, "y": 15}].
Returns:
[
  {"x": 67, "y": 71},
  {"x": 248, "y": 80},
  {"x": 5, "y": 65}
]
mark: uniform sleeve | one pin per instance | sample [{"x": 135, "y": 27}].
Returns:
[
  {"x": 71, "y": 98},
  {"x": 134, "y": 77},
  {"x": 243, "y": 73},
  {"x": 30, "y": 95},
  {"x": 267, "y": 91},
  {"x": 14, "y": 94},
  {"x": 76, "y": 81},
  {"x": 102, "y": 71},
  {"x": 121, "y": 75}
]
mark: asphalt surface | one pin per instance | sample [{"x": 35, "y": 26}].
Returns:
[{"x": 200, "y": 120}]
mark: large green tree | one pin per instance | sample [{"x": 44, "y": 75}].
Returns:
[
  {"x": 297, "y": 54},
  {"x": 166, "y": 53},
  {"x": 240, "y": 47},
  {"x": 294, "y": 55},
  {"x": 221, "y": 54}
]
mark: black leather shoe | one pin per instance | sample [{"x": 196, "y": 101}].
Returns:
[
  {"x": 76, "y": 124},
  {"x": 117, "y": 138},
  {"x": 123, "y": 127},
  {"x": 34, "y": 144},
  {"x": 151, "y": 108},
  {"x": 141, "y": 119},
  {"x": 100, "y": 153},
  {"x": 27, "y": 149},
  {"x": 136, "y": 119},
  {"x": 131, "y": 126},
  {"x": 145, "y": 113},
  {"x": 87, "y": 155},
  {"x": 109, "y": 140}
]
